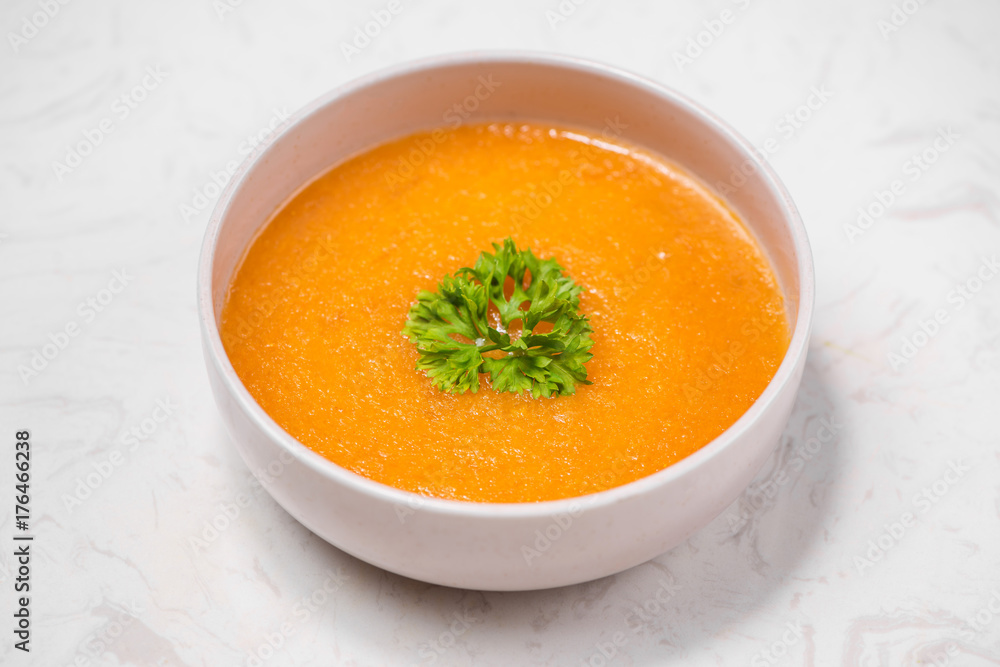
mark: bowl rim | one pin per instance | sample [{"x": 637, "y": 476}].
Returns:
[{"x": 797, "y": 347}]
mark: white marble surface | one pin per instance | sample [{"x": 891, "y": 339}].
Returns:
[{"x": 115, "y": 578}]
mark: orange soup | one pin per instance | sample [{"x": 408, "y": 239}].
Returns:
[{"x": 688, "y": 319}]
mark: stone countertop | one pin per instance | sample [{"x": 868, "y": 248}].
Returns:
[{"x": 872, "y": 536}]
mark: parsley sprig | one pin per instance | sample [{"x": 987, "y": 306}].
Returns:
[{"x": 451, "y": 329}]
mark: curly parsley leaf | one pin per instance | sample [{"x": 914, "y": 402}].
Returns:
[{"x": 456, "y": 343}]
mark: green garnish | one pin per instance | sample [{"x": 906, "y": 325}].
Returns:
[{"x": 451, "y": 330}]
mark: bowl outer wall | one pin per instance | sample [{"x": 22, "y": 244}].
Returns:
[{"x": 482, "y": 545}]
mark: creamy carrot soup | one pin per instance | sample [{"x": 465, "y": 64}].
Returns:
[{"x": 688, "y": 320}]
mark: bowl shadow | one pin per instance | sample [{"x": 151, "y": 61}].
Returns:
[{"x": 659, "y": 612}]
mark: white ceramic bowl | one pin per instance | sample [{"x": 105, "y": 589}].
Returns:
[{"x": 504, "y": 546}]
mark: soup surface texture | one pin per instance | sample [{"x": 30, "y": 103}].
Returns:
[{"x": 689, "y": 321}]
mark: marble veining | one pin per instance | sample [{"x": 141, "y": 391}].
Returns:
[{"x": 871, "y": 537}]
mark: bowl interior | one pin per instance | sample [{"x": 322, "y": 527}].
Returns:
[
  {"x": 385, "y": 107},
  {"x": 464, "y": 89}
]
